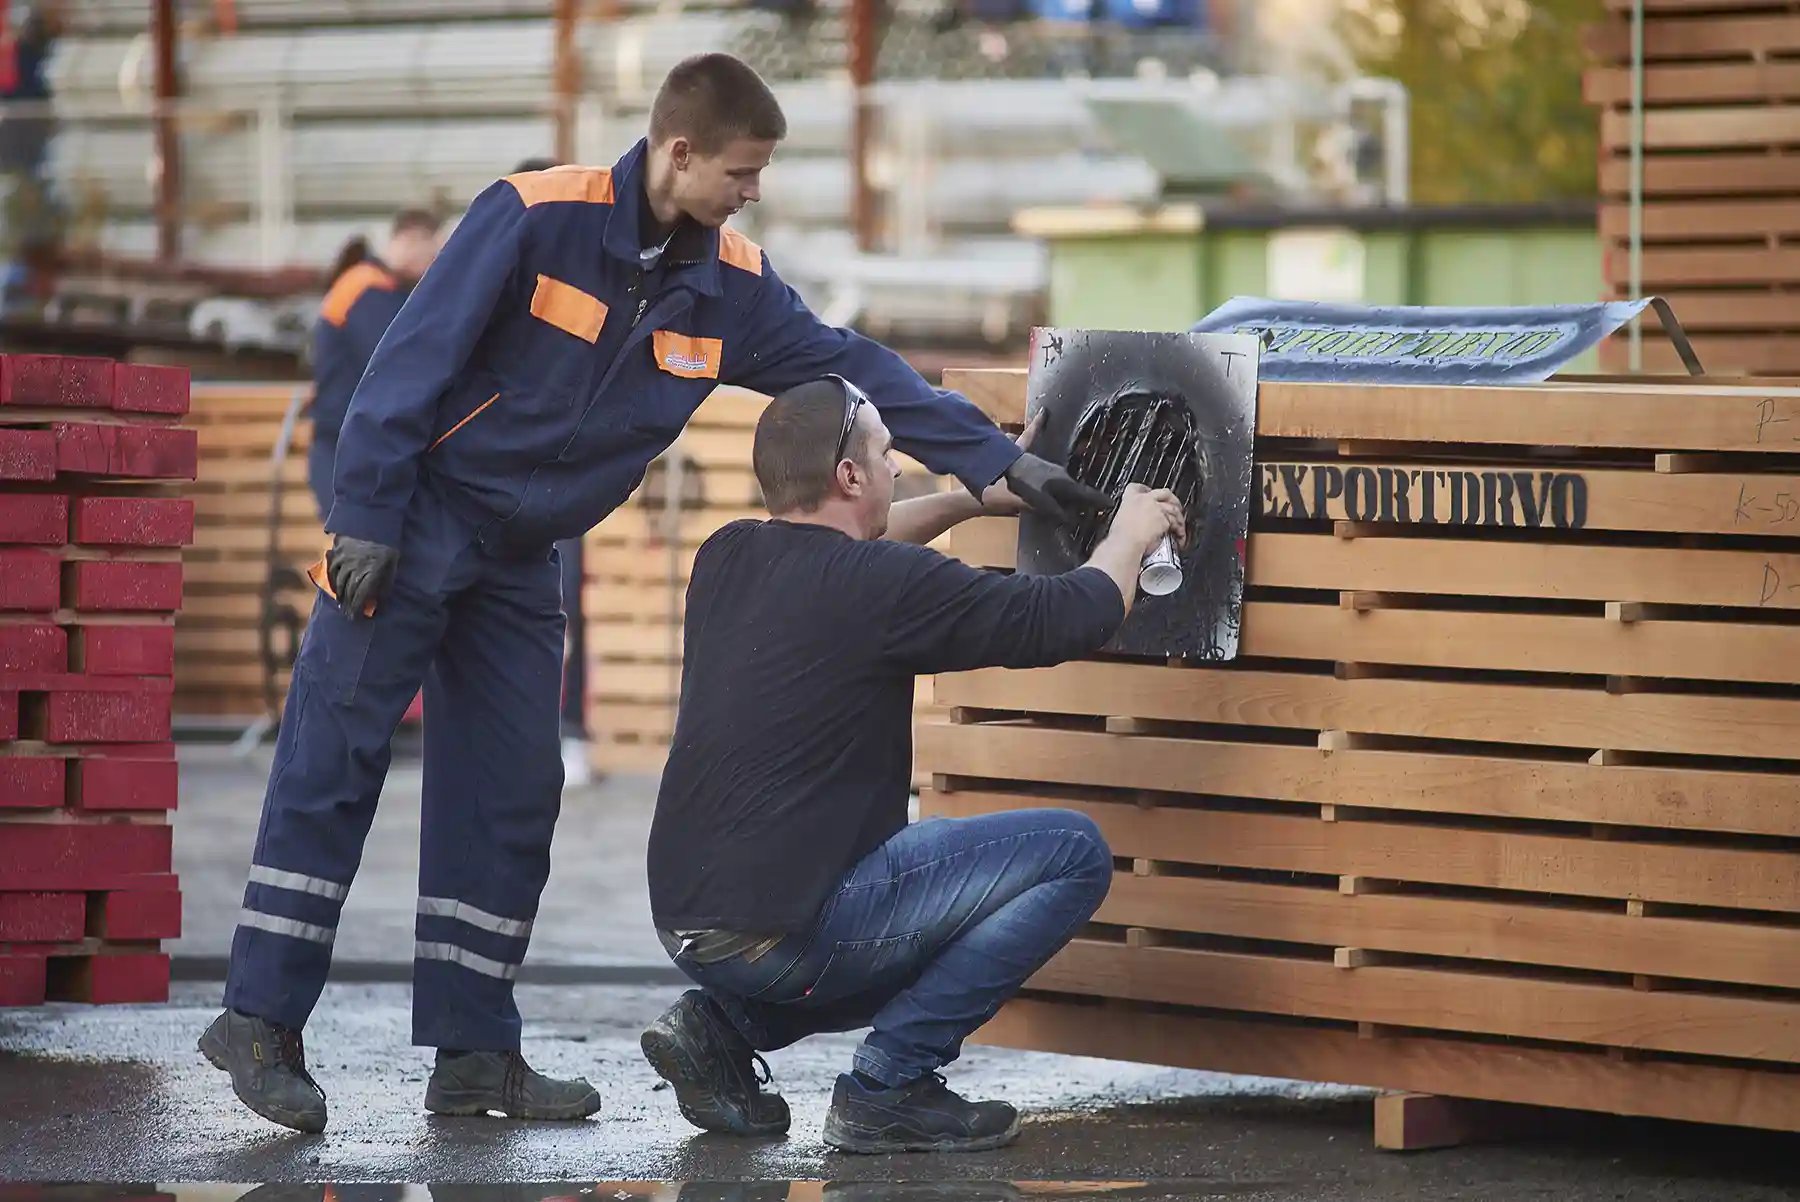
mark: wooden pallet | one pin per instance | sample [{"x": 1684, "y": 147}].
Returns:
[
  {"x": 637, "y": 563},
  {"x": 219, "y": 665},
  {"x": 1497, "y": 808},
  {"x": 1721, "y": 180}
]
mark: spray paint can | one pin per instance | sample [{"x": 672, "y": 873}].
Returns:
[{"x": 1160, "y": 573}]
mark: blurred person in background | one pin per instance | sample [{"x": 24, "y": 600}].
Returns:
[
  {"x": 577, "y": 769},
  {"x": 31, "y": 217},
  {"x": 364, "y": 296}
]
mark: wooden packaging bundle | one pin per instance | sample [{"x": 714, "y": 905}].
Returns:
[
  {"x": 219, "y": 666},
  {"x": 1502, "y": 797},
  {"x": 1721, "y": 194},
  {"x": 637, "y": 565}
]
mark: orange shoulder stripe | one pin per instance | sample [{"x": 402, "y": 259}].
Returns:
[
  {"x": 349, "y": 289},
  {"x": 585, "y": 185},
  {"x": 737, "y": 251}
]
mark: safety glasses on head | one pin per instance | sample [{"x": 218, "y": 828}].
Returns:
[{"x": 854, "y": 399}]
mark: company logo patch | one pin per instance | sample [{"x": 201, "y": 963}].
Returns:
[{"x": 687, "y": 356}]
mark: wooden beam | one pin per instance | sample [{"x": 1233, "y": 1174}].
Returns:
[
  {"x": 1501, "y": 930},
  {"x": 1698, "y": 416},
  {"x": 1706, "y": 1093},
  {"x": 1574, "y": 866},
  {"x": 1682, "y": 724},
  {"x": 1475, "y": 1003}
]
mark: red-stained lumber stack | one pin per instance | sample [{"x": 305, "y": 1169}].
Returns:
[{"x": 91, "y": 531}]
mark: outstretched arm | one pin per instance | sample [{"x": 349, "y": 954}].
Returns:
[{"x": 784, "y": 344}]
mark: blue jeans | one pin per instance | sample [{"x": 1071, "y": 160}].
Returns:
[{"x": 923, "y": 941}]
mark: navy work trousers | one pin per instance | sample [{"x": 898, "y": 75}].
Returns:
[
  {"x": 924, "y": 940},
  {"x": 485, "y": 638}
]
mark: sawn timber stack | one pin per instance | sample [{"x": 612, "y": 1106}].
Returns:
[
  {"x": 1499, "y": 799},
  {"x": 1721, "y": 184}
]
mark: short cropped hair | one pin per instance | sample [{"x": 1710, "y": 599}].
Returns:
[
  {"x": 423, "y": 220},
  {"x": 796, "y": 439},
  {"x": 541, "y": 163},
  {"x": 712, "y": 100}
]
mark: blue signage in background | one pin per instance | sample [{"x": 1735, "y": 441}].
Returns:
[{"x": 1311, "y": 341}]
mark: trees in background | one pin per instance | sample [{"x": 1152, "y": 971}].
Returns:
[{"x": 1497, "y": 113}]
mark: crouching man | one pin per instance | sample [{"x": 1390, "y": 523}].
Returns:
[{"x": 784, "y": 879}]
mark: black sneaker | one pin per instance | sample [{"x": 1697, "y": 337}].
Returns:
[
  {"x": 717, "y": 1075},
  {"x": 267, "y": 1063},
  {"x": 924, "y": 1116},
  {"x": 479, "y": 1083}
]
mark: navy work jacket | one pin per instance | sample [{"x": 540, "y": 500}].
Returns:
[
  {"x": 356, "y": 312},
  {"x": 536, "y": 369}
]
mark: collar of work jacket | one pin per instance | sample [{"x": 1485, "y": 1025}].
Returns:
[{"x": 692, "y": 256}]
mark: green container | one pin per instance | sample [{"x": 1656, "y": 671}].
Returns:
[{"x": 1166, "y": 268}]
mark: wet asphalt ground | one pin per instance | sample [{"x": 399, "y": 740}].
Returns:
[{"x": 118, "y": 1094}]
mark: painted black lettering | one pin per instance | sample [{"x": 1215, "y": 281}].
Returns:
[
  {"x": 1534, "y": 501},
  {"x": 1293, "y": 482},
  {"x": 1471, "y": 484},
  {"x": 1271, "y": 506},
  {"x": 1361, "y": 494},
  {"x": 1396, "y": 506},
  {"x": 1328, "y": 482},
  {"x": 1428, "y": 482},
  {"x": 1490, "y": 496},
  {"x": 1568, "y": 501}
]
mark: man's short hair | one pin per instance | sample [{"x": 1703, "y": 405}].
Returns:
[
  {"x": 796, "y": 443},
  {"x": 542, "y": 163},
  {"x": 712, "y": 100}
]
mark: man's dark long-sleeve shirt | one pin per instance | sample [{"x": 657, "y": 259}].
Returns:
[{"x": 792, "y": 756}]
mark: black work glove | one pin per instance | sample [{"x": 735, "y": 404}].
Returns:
[
  {"x": 360, "y": 573},
  {"x": 1051, "y": 491}
]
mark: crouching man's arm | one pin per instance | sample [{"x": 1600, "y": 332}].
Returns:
[
  {"x": 922, "y": 519},
  {"x": 951, "y": 617}
]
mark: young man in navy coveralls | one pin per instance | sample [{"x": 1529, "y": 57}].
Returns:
[{"x": 573, "y": 322}]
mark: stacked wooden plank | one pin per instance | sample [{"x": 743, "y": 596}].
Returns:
[
  {"x": 637, "y": 565},
  {"x": 90, "y": 579},
  {"x": 1721, "y": 179},
  {"x": 218, "y": 638},
  {"x": 1499, "y": 799}
]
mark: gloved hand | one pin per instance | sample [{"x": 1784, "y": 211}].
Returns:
[
  {"x": 1048, "y": 489},
  {"x": 360, "y": 572}
]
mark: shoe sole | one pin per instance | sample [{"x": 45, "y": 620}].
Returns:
[
  {"x": 869, "y": 1143},
  {"x": 481, "y": 1103},
  {"x": 673, "y": 1064},
  {"x": 215, "y": 1056}
]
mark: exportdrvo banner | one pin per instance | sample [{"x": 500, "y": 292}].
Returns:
[{"x": 1312, "y": 341}]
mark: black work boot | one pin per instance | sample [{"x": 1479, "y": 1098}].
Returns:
[
  {"x": 477, "y": 1083},
  {"x": 717, "y": 1075},
  {"x": 924, "y": 1116},
  {"x": 267, "y": 1063}
]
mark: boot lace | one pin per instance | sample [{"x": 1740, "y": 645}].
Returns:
[
  {"x": 518, "y": 1076},
  {"x": 290, "y": 1053}
]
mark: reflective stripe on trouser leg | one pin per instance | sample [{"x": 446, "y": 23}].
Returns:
[
  {"x": 331, "y": 755},
  {"x": 492, "y": 791}
]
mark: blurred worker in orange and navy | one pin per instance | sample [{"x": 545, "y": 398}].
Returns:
[
  {"x": 575, "y": 320},
  {"x": 364, "y": 297}
]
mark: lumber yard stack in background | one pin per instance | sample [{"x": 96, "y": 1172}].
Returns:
[
  {"x": 1720, "y": 186},
  {"x": 1497, "y": 801},
  {"x": 92, "y": 464},
  {"x": 637, "y": 564},
  {"x": 220, "y": 672}
]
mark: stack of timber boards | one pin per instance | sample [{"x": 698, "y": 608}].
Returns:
[
  {"x": 1499, "y": 799},
  {"x": 219, "y": 669},
  {"x": 1721, "y": 184},
  {"x": 91, "y": 526},
  {"x": 637, "y": 575}
]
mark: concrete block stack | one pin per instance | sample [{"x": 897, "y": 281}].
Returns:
[{"x": 92, "y": 460}]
